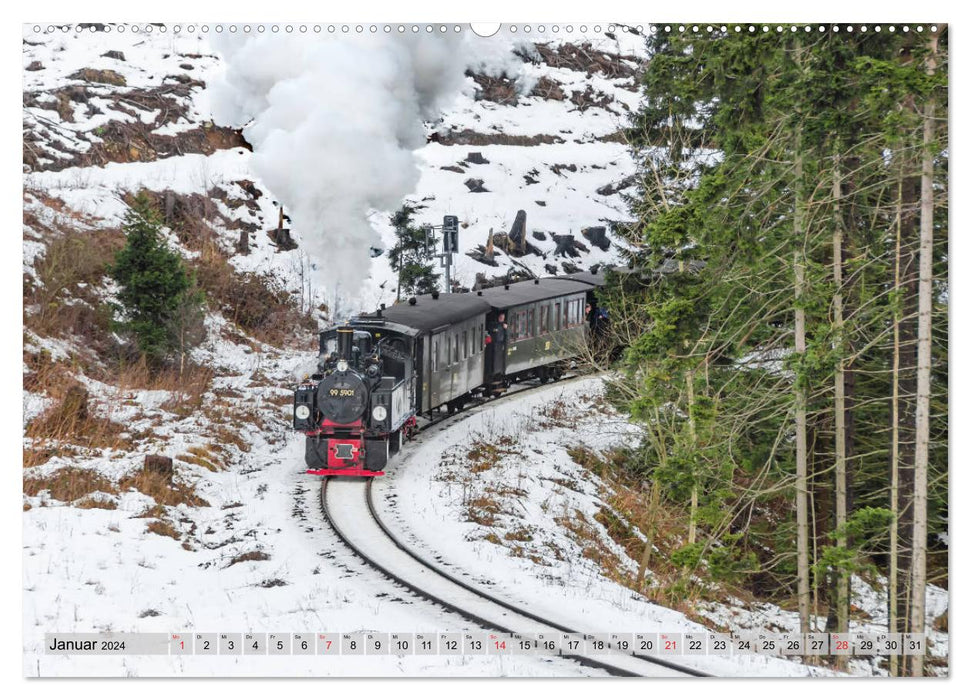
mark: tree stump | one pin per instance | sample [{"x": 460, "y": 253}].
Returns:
[
  {"x": 160, "y": 464},
  {"x": 75, "y": 402}
]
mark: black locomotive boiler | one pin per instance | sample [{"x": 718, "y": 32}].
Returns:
[{"x": 378, "y": 372}]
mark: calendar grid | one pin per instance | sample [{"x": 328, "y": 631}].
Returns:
[{"x": 374, "y": 643}]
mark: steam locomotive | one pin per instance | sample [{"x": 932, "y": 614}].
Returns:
[{"x": 378, "y": 372}]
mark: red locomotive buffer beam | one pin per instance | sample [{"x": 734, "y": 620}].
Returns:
[{"x": 345, "y": 454}]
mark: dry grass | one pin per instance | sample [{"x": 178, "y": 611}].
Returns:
[
  {"x": 91, "y": 502},
  {"x": 187, "y": 385},
  {"x": 202, "y": 457},
  {"x": 255, "y": 555},
  {"x": 630, "y": 511},
  {"x": 555, "y": 414},
  {"x": 227, "y": 436},
  {"x": 484, "y": 455},
  {"x": 164, "y": 528},
  {"x": 521, "y": 534},
  {"x": 159, "y": 488},
  {"x": 255, "y": 303},
  {"x": 69, "y": 484},
  {"x": 69, "y": 424},
  {"x": 482, "y": 510},
  {"x": 72, "y": 269},
  {"x": 594, "y": 549}
]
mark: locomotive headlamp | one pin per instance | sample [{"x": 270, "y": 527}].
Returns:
[
  {"x": 302, "y": 412},
  {"x": 379, "y": 413},
  {"x": 342, "y": 365}
]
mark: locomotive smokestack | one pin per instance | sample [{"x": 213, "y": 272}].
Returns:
[{"x": 345, "y": 343}]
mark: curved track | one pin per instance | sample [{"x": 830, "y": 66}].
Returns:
[{"x": 349, "y": 509}]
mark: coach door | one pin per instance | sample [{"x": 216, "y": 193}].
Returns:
[{"x": 495, "y": 359}]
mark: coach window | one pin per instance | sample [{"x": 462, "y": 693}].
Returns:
[
  {"x": 522, "y": 324},
  {"x": 455, "y": 349},
  {"x": 465, "y": 345},
  {"x": 435, "y": 355},
  {"x": 556, "y": 316}
]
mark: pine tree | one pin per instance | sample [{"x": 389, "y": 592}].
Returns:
[
  {"x": 416, "y": 273},
  {"x": 160, "y": 303}
]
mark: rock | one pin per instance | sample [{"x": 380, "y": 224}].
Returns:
[
  {"x": 160, "y": 464},
  {"x": 597, "y": 235},
  {"x": 453, "y": 169},
  {"x": 615, "y": 187},
  {"x": 282, "y": 239},
  {"x": 250, "y": 189},
  {"x": 565, "y": 245},
  {"x": 559, "y": 167},
  {"x": 539, "y": 235},
  {"x": 540, "y": 203},
  {"x": 186, "y": 66},
  {"x": 569, "y": 268},
  {"x": 242, "y": 246},
  {"x": 552, "y": 269},
  {"x": 117, "y": 55},
  {"x": 530, "y": 180},
  {"x": 475, "y": 185},
  {"x": 35, "y": 65},
  {"x": 476, "y": 158}
]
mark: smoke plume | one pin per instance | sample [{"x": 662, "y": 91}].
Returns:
[{"x": 334, "y": 123}]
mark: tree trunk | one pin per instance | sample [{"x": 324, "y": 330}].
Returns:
[
  {"x": 924, "y": 304},
  {"x": 802, "y": 492},
  {"x": 650, "y": 531},
  {"x": 907, "y": 384},
  {"x": 693, "y": 516},
  {"x": 892, "y": 621},
  {"x": 839, "y": 416}
]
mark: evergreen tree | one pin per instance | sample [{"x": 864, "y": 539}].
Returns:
[
  {"x": 161, "y": 304},
  {"x": 416, "y": 272}
]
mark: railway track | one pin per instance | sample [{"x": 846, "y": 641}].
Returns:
[{"x": 348, "y": 506}]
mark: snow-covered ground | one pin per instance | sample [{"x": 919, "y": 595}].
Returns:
[{"x": 502, "y": 526}]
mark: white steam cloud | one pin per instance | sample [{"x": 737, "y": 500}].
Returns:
[{"x": 334, "y": 123}]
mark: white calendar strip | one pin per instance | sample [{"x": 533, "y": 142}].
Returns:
[{"x": 481, "y": 643}]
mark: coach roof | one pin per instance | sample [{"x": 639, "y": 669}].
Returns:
[
  {"x": 532, "y": 291},
  {"x": 594, "y": 278},
  {"x": 429, "y": 313}
]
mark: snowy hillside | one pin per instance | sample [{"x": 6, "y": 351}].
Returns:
[{"x": 137, "y": 108}]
